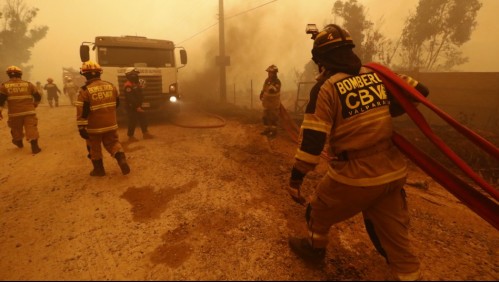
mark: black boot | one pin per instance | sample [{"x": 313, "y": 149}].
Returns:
[
  {"x": 120, "y": 157},
  {"x": 302, "y": 248},
  {"x": 18, "y": 143},
  {"x": 272, "y": 133},
  {"x": 265, "y": 131},
  {"x": 98, "y": 168},
  {"x": 34, "y": 146}
]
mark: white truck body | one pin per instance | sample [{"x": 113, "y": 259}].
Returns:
[{"x": 155, "y": 59}]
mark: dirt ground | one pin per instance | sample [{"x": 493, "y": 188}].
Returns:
[{"x": 205, "y": 200}]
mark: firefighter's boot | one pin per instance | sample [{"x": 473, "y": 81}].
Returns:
[
  {"x": 265, "y": 131},
  {"x": 302, "y": 248},
  {"x": 18, "y": 143},
  {"x": 98, "y": 168},
  {"x": 272, "y": 132},
  {"x": 34, "y": 146},
  {"x": 120, "y": 157}
]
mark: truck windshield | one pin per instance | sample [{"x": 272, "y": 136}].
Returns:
[{"x": 145, "y": 57}]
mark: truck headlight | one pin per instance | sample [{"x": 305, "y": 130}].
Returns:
[{"x": 173, "y": 99}]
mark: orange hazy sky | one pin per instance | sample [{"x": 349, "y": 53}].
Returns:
[{"x": 190, "y": 23}]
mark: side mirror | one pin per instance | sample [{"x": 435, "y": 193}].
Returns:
[
  {"x": 183, "y": 57},
  {"x": 84, "y": 53}
]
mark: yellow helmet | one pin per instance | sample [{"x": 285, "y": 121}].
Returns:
[
  {"x": 13, "y": 69},
  {"x": 90, "y": 66}
]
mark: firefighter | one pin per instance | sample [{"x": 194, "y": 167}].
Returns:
[
  {"x": 70, "y": 89},
  {"x": 53, "y": 92},
  {"x": 96, "y": 118},
  {"x": 271, "y": 101},
  {"x": 133, "y": 97},
  {"x": 39, "y": 88},
  {"x": 22, "y": 99},
  {"x": 349, "y": 108}
]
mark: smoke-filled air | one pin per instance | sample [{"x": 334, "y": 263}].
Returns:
[
  {"x": 249, "y": 140},
  {"x": 258, "y": 33}
]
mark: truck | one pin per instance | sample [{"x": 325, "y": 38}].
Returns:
[{"x": 157, "y": 60}]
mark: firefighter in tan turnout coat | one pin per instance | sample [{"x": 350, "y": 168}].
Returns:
[
  {"x": 96, "y": 118},
  {"x": 271, "y": 101},
  {"x": 22, "y": 98},
  {"x": 350, "y": 110}
]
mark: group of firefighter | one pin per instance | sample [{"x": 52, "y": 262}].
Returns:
[
  {"x": 349, "y": 109},
  {"x": 95, "y": 104}
]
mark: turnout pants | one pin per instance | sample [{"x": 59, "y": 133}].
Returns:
[
  {"x": 53, "y": 97},
  {"x": 385, "y": 213},
  {"x": 270, "y": 117},
  {"x": 108, "y": 139},
  {"x": 133, "y": 118},
  {"x": 30, "y": 125}
]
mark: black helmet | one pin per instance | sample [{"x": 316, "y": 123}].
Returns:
[{"x": 331, "y": 37}]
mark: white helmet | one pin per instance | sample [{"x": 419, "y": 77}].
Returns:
[{"x": 131, "y": 70}]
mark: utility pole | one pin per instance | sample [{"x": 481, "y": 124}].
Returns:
[{"x": 222, "y": 60}]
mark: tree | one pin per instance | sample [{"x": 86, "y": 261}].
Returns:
[
  {"x": 367, "y": 39},
  {"x": 16, "y": 38},
  {"x": 432, "y": 36}
]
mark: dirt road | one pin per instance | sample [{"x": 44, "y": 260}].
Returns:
[{"x": 200, "y": 204}]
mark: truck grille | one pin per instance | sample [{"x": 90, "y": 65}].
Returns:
[
  {"x": 152, "y": 90},
  {"x": 153, "y": 100}
]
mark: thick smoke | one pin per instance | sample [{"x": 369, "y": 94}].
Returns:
[{"x": 253, "y": 41}]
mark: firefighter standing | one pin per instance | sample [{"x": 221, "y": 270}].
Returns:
[
  {"x": 350, "y": 109},
  {"x": 70, "y": 89},
  {"x": 52, "y": 92},
  {"x": 271, "y": 101},
  {"x": 133, "y": 97},
  {"x": 22, "y": 99},
  {"x": 96, "y": 118}
]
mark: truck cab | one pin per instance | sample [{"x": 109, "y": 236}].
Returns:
[{"x": 155, "y": 59}]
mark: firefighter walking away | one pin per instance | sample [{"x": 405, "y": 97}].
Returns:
[
  {"x": 96, "y": 118},
  {"x": 22, "y": 98}
]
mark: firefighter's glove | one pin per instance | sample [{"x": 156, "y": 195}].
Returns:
[
  {"x": 294, "y": 191},
  {"x": 83, "y": 132}
]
